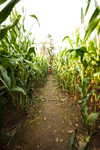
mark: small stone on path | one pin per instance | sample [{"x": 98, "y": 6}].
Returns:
[
  {"x": 70, "y": 123},
  {"x": 38, "y": 146},
  {"x": 71, "y": 131},
  {"x": 62, "y": 130},
  {"x": 57, "y": 139},
  {"x": 76, "y": 125},
  {"x": 45, "y": 119},
  {"x": 61, "y": 140}
]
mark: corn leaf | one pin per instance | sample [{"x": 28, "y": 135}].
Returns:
[
  {"x": 8, "y": 134},
  {"x": 82, "y": 16},
  {"x": 91, "y": 118},
  {"x": 88, "y": 4},
  {"x": 2, "y": 1},
  {"x": 94, "y": 15},
  {"x": 91, "y": 26},
  {"x": 18, "y": 89},
  {"x": 5, "y": 63},
  {"x": 69, "y": 40},
  {"x": 29, "y": 63},
  {"x": 71, "y": 146},
  {"x": 7, "y": 9},
  {"x": 35, "y": 18},
  {"x": 5, "y": 29},
  {"x": 11, "y": 66},
  {"x": 31, "y": 50},
  {"x": 7, "y": 80},
  {"x": 68, "y": 78}
]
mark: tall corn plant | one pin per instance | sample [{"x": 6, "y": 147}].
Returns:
[
  {"x": 5, "y": 81},
  {"x": 19, "y": 65},
  {"x": 83, "y": 65}
]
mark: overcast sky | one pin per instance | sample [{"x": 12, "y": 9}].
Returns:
[{"x": 57, "y": 17}]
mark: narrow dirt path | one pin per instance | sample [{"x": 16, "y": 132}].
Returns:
[{"x": 50, "y": 122}]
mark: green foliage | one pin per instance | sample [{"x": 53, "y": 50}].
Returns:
[
  {"x": 82, "y": 16},
  {"x": 88, "y": 4},
  {"x": 3, "y": 31},
  {"x": 78, "y": 70},
  {"x": 5, "y": 12},
  {"x": 70, "y": 42},
  {"x": 2, "y": 1},
  {"x": 71, "y": 146},
  {"x": 21, "y": 70},
  {"x": 7, "y": 80},
  {"x": 90, "y": 119},
  {"x": 93, "y": 23},
  {"x": 35, "y": 18}
]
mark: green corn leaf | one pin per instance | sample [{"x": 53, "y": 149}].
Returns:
[
  {"x": 20, "y": 81},
  {"x": 7, "y": 89},
  {"x": 8, "y": 134},
  {"x": 71, "y": 146},
  {"x": 80, "y": 89},
  {"x": 72, "y": 105},
  {"x": 35, "y": 18},
  {"x": 5, "y": 29},
  {"x": 5, "y": 63},
  {"x": 69, "y": 40},
  {"x": 98, "y": 30},
  {"x": 88, "y": 4},
  {"x": 82, "y": 49},
  {"x": 29, "y": 63},
  {"x": 91, "y": 118},
  {"x": 68, "y": 78},
  {"x": 85, "y": 112},
  {"x": 2, "y": 1},
  {"x": 11, "y": 66},
  {"x": 7, "y": 9},
  {"x": 2, "y": 87},
  {"x": 2, "y": 33},
  {"x": 85, "y": 85},
  {"x": 91, "y": 28},
  {"x": 77, "y": 38},
  {"x": 96, "y": 4},
  {"x": 7, "y": 80},
  {"x": 18, "y": 89},
  {"x": 82, "y": 16},
  {"x": 94, "y": 15},
  {"x": 32, "y": 50}
]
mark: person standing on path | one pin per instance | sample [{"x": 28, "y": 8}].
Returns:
[{"x": 50, "y": 69}]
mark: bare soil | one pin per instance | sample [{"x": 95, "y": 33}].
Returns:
[{"x": 49, "y": 122}]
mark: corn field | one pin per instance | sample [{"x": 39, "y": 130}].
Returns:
[
  {"x": 21, "y": 70},
  {"x": 78, "y": 71}
]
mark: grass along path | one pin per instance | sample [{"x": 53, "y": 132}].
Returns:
[{"x": 50, "y": 122}]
